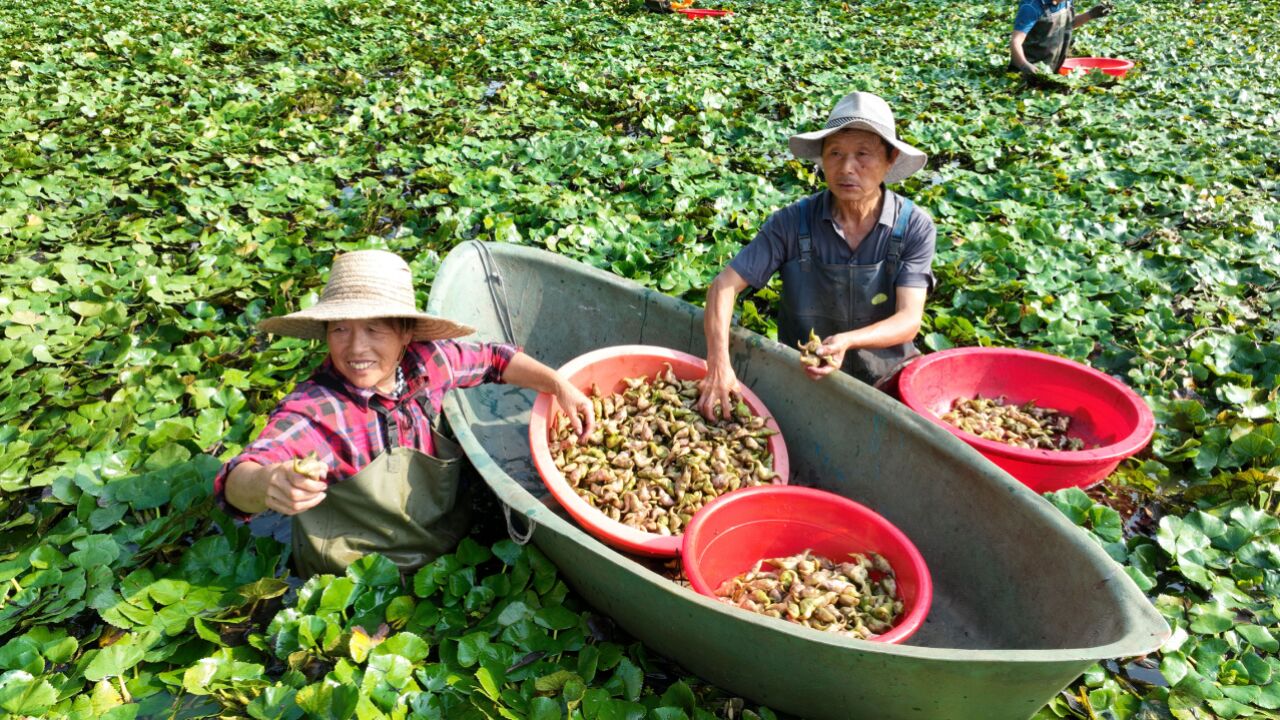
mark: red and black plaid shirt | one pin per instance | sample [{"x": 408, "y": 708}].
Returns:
[{"x": 330, "y": 416}]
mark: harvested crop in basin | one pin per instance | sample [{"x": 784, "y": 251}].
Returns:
[
  {"x": 858, "y": 597},
  {"x": 653, "y": 460},
  {"x": 1024, "y": 426},
  {"x": 809, "y": 356}
]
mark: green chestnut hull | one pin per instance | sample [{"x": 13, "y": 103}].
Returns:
[{"x": 1023, "y": 600}]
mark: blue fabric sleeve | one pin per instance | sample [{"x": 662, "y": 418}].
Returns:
[
  {"x": 761, "y": 258},
  {"x": 1029, "y": 12}
]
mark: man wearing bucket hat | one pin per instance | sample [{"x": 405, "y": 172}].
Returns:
[
  {"x": 854, "y": 259},
  {"x": 354, "y": 454},
  {"x": 1042, "y": 32}
]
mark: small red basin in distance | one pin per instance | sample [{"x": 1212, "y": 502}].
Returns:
[
  {"x": 699, "y": 13},
  {"x": 1104, "y": 411},
  {"x": 607, "y": 368},
  {"x": 1111, "y": 66},
  {"x": 728, "y": 536}
]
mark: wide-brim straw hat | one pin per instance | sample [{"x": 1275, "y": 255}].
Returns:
[
  {"x": 862, "y": 111},
  {"x": 365, "y": 285}
]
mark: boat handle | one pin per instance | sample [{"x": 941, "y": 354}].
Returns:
[{"x": 517, "y": 537}]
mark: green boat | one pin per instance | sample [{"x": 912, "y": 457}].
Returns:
[{"x": 1023, "y": 600}]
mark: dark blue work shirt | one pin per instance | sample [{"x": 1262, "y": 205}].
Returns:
[
  {"x": 779, "y": 241},
  {"x": 1030, "y": 12}
]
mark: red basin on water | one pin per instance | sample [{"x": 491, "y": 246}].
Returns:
[
  {"x": 1103, "y": 410},
  {"x": 607, "y": 367},
  {"x": 1111, "y": 66},
  {"x": 732, "y": 532},
  {"x": 699, "y": 13}
]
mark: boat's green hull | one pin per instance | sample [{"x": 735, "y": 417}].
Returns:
[{"x": 1023, "y": 600}]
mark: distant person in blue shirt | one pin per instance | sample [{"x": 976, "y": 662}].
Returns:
[{"x": 1042, "y": 32}]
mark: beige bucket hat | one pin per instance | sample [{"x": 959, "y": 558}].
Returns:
[
  {"x": 363, "y": 285},
  {"x": 862, "y": 111}
]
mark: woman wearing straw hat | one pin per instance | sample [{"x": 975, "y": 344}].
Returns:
[
  {"x": 353, "y": 453},
  {"x": 855, "y": 258}
]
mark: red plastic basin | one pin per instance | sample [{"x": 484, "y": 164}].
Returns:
[
  {"x": 1110, "y": 66},
  {"x": 607, "y": 367},
  {"x": 731, "y": 533},
  {"x": 1104, "y": 411},
  {"x": 698, "y": 13}
]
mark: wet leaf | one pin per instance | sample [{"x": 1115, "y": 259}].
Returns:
[
  {"x": 23, "y": 694},
  {"x": 86, "y": 309},
  {"x": 400, "y": 611},
  {"x": 113, "y": 661},
  {"x": 262, "y": 589},
  {"x": 628, "y": 678},
  {"x": 554, "y": 682},
  {"x": 396, "y": 669},
  {"x": 1259, "y": 637},
  {"x": 374, "y": 571},
  {"x": 275, "y": 703},
  {"x": 328, "y": 701},
  {"x": 680, "y": 696},
  {"x": 471, "y": 647},
  {"x": 1212, "y": 618},
  {"x": 515, "y": 612},
  {"x": 104, "y": 697},
  {"x": 470, "y": 552},
  {"x": 508, "y": 552},
  {"x": 487, "y": 683},
  {"x": 22, "y": 653},
  {"x": 405, "y": 644},
  {"x": 544, "y": 708},
  {"x": 337, "y": 596},
  {"x": 556, "y": 617},
  {"x": 94, "y": 550}
]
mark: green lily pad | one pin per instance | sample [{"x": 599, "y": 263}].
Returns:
[
  {"x": 22, "y": 693},
  {"x": 405, "y": 644},
  {"x": 327, "y": 701},
  {"x": 113, "y": 661},
  {"x": 374, "y": 571},
  {"x": 1259, "y": 637}
]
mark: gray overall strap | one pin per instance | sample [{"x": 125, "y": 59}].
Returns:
[
  {"x": 806, "y": 237},
  {"x": 899, "y": 231},
  {"x": 390, "y": 427}
]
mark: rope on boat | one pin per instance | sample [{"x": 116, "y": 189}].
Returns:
[{"x": 518, "y": 537}]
